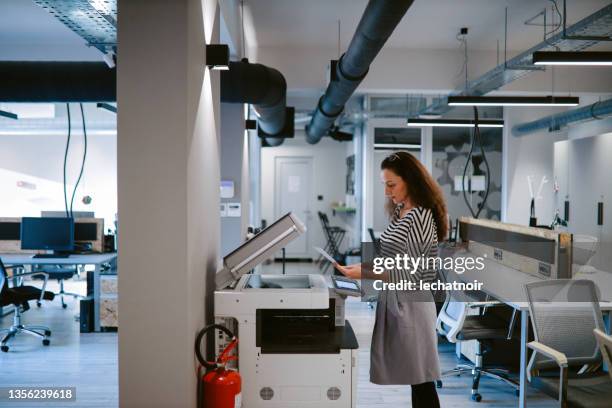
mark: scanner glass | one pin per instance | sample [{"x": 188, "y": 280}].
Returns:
[{"x": 278, "y": 282}]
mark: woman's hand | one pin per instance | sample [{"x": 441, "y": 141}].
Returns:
[{"x": 350, "y": 271}]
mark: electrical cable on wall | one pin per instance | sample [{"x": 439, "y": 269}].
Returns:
[
  {"x": 84, "y": 158},
  {"x": 65, "y": 161},
  {"x": 476, "y": 139}
]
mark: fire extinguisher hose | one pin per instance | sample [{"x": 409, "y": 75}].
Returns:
[{"x": 224, "y": 357}]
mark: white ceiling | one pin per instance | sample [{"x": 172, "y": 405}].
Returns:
[
  {"x": 29, "y": 32},
  {"x": 431, "y": 24}
]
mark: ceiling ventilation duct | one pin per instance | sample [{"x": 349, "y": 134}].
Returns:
[
  {"x": 598, "y": 110},
  {"x": 377, "y": 23},
  {"x": 26, "y": 81},
  {"x": 266, "y": 89}
]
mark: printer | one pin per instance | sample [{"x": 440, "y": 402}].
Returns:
[{"x": 295, "y": 348}]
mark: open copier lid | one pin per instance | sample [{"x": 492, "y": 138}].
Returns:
[{"x": 259, "y": 248}]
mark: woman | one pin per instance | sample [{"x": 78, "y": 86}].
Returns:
[{"x": 404, "y": 342}]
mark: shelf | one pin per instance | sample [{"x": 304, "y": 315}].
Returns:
[{"x": 344, "y": 210}]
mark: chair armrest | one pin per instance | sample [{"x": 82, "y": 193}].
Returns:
[
  {"x": 561, "y": 360},
  {"x": 15, "y": 266},
  {"x": 490, "y": 303},
  {"x": 550, "y": 352},
  {"x": 32, "y": 274}
]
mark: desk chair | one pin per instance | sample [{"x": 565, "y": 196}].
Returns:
[
  {"x": 566, "y": 363},
  {"x": 19, "y": 297},
  {"x": 61, "y": 273},
  {"x": 605, "y": 345},
  {"x": 456, "y": 325}
]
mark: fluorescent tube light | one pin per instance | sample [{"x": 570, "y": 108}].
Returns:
[
  {"x": 493, "y": 123},
  {"x": 513, "y": 100},
  {"x": 572, "y": 58},
  {"x": 396, "y": 146}
]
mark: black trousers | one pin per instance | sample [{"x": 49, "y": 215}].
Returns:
[{"x": 425, "y": 396}]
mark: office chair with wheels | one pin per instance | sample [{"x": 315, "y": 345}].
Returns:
[
  {"x": 61, "y": 273},
  {"x": 456, "y": 325},
  {"x": 19, "y": 297},
  {"x": 566, "y": 363}
]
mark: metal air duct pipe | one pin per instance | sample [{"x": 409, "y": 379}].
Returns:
[
  {"x": 28, "y": 81},
  {"x": 263, "y": 87},
  {"x": 595, "y": 111},
  {"x": 377, "y": 23}
]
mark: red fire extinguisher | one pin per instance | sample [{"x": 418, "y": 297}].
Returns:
[{"x": 222, "y": 387}]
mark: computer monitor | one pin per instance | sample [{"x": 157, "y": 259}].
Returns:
[{"x": 56, "y": 234}]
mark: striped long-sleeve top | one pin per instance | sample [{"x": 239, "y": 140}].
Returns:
[{"x": 414, "y": 234}]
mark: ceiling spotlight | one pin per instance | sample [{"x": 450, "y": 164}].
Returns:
[
  {"x": 250, "y": 124},
  {"x": 572, "y": 58},
  {"x": 483, "y": 123},
  {"x": 513, "y": 100},
  {"x": 9, "y": 115},
  {"x": 217, "y": 56}
]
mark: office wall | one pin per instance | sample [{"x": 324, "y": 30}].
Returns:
[
  {"x": 168, "y": 194},
  {"x": 329, "y": 168},
  {"x": 529, "y": 155},
  {"x": 582, "y": 167},
  {"x": 37, "y": 158},
  {"x": 533, "y": 155},
  {"x": 234, "y": 167}
]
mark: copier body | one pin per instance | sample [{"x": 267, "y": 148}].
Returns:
[{"x": 295, "y": 350}]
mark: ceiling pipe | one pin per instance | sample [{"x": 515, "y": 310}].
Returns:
[
  {"x": 377, "y": 24},
  {"x": 34, "y": 81},
  {"x": 263, "y": 87},
  {"x": 598, "y": 110}
]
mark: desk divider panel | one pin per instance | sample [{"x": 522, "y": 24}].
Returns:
[{"x": 544, "y": 253}]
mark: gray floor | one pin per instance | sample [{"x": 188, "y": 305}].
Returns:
[
  {"x": 85, "y": 361},
  {"x": 89, "y": 361}
]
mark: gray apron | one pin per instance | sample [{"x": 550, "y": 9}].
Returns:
[{"x": 404, "y": 342}]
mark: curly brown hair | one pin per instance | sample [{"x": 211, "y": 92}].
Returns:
[{"x": 422, "y": 188}]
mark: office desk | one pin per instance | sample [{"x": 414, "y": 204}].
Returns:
[
  {"x": 510, "y": 290},
  {"x": 91, "y": 259}
]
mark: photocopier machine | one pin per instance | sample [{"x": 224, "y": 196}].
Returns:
[{"x": 295, "y": 348}]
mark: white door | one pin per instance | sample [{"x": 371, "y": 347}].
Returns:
[{"x": 293, "y": 190}]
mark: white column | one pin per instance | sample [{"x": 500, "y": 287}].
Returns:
[{"x": 168, "y": 195}]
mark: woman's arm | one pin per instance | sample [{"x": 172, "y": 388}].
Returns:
[{"x": 350, "y": 271}]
